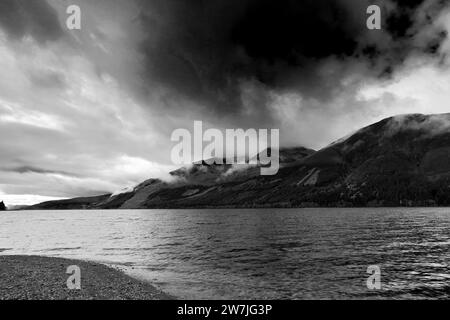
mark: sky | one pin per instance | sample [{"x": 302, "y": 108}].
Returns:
[{"x": 91, "y": 111}]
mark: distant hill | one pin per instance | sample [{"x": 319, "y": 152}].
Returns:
[
  {"x": 399, "y": 161},
  {"x": 70, "y": 204}
]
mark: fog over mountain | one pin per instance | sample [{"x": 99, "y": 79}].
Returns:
[{"x": 89, "y": 112}]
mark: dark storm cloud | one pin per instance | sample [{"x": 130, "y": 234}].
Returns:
[
  {"x": 205, "y": 50},
  {"x": 35, "y": 18},
  {"x": 399, "y": 21}
]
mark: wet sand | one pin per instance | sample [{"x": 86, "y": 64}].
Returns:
[{"x": 42, "y": 278}]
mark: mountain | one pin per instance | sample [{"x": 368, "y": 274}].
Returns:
[
  {"x": 2, "y": 206},
  {"x": 399, "y": 161}
]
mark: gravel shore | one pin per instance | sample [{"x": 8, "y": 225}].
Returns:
[{"x": 42, "y": 278}]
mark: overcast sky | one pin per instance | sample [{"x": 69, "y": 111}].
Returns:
[{"x": 90, "y": 111}]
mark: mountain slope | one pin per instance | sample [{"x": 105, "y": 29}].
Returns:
[
  {"x": 399, "y": 161},
  {"x": 403, "y": 160}
]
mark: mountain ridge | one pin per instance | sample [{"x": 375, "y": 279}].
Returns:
[{"x": 399, "y": 161}]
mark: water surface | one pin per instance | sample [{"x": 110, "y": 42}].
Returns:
[{"x": 251, "y": 254}]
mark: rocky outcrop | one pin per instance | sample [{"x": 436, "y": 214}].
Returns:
[{"x": 2, "y": 206}]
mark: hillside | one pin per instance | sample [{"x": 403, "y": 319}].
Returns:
[{"x": 399, "y": 161}]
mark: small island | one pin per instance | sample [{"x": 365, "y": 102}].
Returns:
[{"x": 2, "y": 206}]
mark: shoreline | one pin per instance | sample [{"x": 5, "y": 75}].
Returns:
[
  {"x": 45, "y": 278},
  {"x": 234, "y": 207}
]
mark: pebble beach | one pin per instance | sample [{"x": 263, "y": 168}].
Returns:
[{"x": 44, "y": 278}]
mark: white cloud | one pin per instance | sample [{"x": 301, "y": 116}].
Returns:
[
  {"x": 24, "y": 199},
  {"x": 62, "y": 111}
]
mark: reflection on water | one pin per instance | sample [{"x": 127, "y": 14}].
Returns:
[{"x": 251, "y": 254}]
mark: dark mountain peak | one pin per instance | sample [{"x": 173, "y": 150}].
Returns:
[
  {"x": 421, "y": 125},
  {"x": 2, "y": 206},
  {"x": 410, "y": 135}
]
